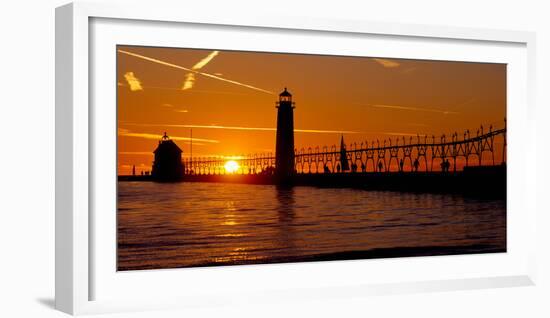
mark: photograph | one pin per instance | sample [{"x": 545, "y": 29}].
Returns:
[{"x": 229, "y": 157}]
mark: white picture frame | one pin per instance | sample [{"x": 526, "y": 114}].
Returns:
[{"x": 77, "y": 253}]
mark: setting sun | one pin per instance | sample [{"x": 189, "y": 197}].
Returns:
[{"x": 231, "y": 166}]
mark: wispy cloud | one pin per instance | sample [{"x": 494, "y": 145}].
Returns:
[
  {"x": 127, "y": 133},
  {"x": 418, "y": 109},
  {"x": 133, "y": 81},
  {"x": 150, "y": 59},
  {"x": 189, "y": 81},
  {"x": 386, "y": 63},
  {"x": 321, "y": 131},
  {"x": 167, "y": 105}
]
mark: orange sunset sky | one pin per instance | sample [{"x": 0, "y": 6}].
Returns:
[{"x": 228, "y": 99}]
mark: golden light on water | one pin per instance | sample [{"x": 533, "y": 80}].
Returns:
[{"x": 231, "y": 166}]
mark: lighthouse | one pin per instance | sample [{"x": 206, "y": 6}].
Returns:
[
  {"x": 284, "y": 147},
  {"x": 167, "y": 165}
]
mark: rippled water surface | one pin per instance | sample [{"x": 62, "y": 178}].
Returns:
[{"x": 201, "y": 224}]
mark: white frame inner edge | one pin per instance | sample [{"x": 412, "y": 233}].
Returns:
[{"x": 86, "y": 281}]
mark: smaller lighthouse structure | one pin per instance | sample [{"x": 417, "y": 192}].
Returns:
[
  {"x": 284, "y": 147},
  {"x": 167, "y": 165}
]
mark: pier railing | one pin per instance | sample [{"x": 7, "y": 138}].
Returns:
[{"x": 418, "y": 153}]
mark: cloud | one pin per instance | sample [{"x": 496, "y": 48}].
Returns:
[
  {"x": 176, "y": 110},
  {"x": 127, "y": 133},
  {"x": 133, "y": 81},
  {"x": 189, "y": 81},
  {"x": 157, "y": 137},
  {"x": 150, "y": 59},
  {"x": 419, "y": 109},
  {"x": 386, "y": 63},
  {"x": 321, "y": 131}
]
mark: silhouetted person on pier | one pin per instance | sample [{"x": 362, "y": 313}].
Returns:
[
  {"x": 338, "y": 168},
  {"x": 134, "y": 170},
  {"x": 416, "y": 164},
  {"x": 353, "y": 167},
  {"x": 326, "y": 169},
  {"x": 363, "y": 167},
  {"x": 443, "y": 166},
  {"x": 380, "y": 166},
  {"x": 401, "y": 163}
]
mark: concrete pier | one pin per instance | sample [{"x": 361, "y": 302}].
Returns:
[{"x": 481, "y": 181}]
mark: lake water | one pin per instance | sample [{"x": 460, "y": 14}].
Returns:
[{"x": 169, "y": 225}]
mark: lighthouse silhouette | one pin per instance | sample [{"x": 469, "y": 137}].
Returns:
[{"x": 284, "y": 147}]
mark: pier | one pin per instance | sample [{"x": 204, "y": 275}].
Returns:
[
  {"x": 479, "y": 181},
  {"x": 466, "y": 163}
]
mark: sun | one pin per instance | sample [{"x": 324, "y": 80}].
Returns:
[{"x": 231, "y": 166}]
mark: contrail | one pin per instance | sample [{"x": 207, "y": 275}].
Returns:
[
  {"x": 150, "y": 59},
  {"x": 202, "y": 63},
  {"x": 190, "y": 77}
]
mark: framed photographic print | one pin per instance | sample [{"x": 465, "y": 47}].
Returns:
[{"x": 203, "y": 158}]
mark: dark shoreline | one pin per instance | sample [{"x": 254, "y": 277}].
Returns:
[{"x": 377, "y": 253}]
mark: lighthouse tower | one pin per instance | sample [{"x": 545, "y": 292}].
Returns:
[{"x": 284, "y": 148}]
